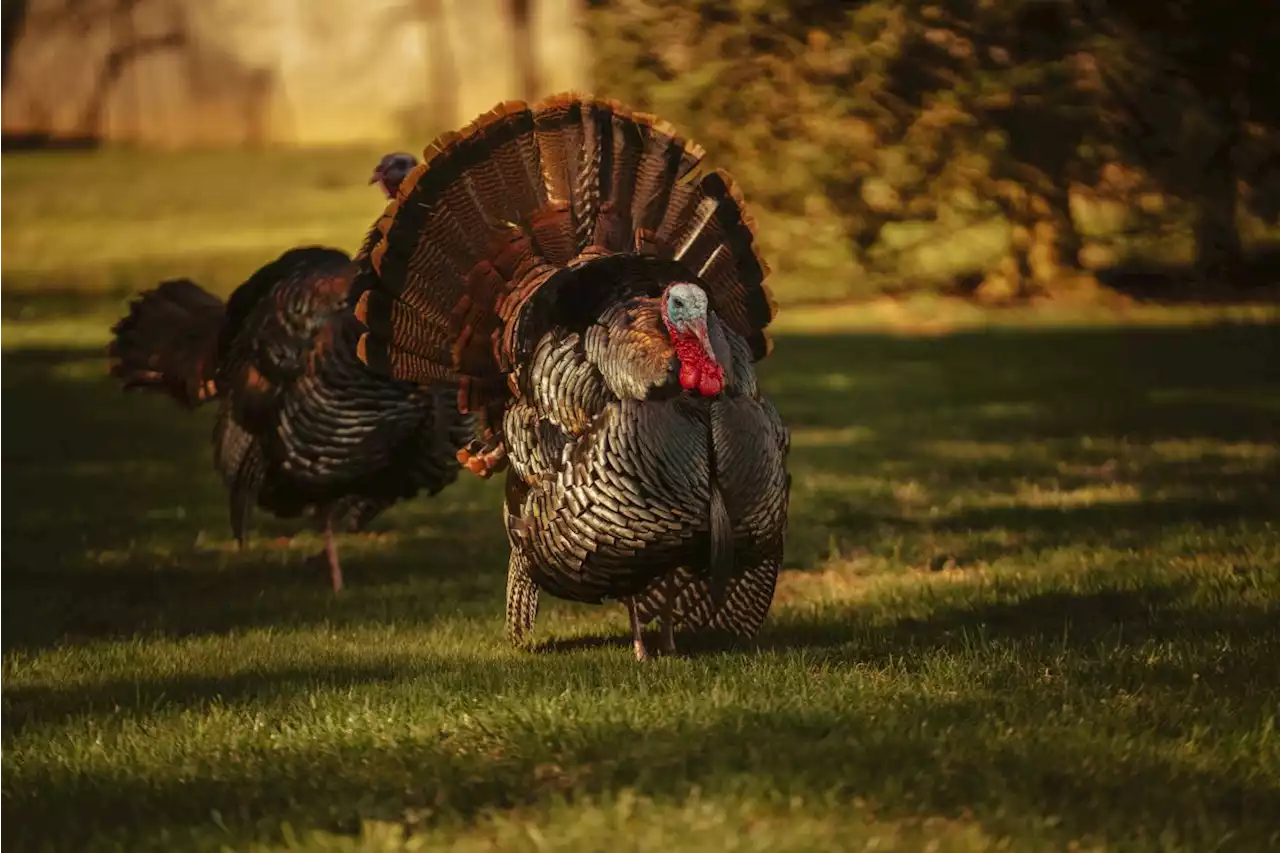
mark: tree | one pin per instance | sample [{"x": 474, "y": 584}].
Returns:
[
  {"x": 1217, "y": 58},
  {"x": 521, "y": 12},
  {"x": 442, "y": 66}
]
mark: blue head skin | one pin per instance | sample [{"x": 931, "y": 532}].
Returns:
[
  {"x": 684, "y": 310},
  {"x": 684, "y": 307},
  {"x": 391, "y": 170}
]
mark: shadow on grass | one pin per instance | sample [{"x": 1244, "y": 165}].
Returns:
[
  {"x": 1091, "y": 624},
  {"x": 1119, "y": 524},
  {"x": 1009, "y": 764},
  {"x": 195, "y": 594},
  {"x": 1141, "y": 383},
  {"x": 1053, "y": 437},
  {"x": 1096, "y": 626},
  {"x": 36, "y": 705},
  {"x": 116, "y": 523}
]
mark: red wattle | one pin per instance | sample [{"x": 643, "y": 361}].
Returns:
[
  {"x": 698, "y": 372},
  {"x": 711, "y": 383},
  {"x": 689, "y": 375}
]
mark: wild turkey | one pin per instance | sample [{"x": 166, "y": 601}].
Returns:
[
  {"x": 388, "y": 174},
  {"x": 596, "y": 297},
  {"x": 303, "y": 426}
]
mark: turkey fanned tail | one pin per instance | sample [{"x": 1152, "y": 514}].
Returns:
[
  {"x": 168, "y": 342},
  {"x": 571, "y": 270}
]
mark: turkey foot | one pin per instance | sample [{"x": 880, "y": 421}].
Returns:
[
  {"x": 483, "y": 459},
  {"x": 637, "y": 640}
]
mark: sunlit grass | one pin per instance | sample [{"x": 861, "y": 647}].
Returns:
[{"x": 115, "y": 220}]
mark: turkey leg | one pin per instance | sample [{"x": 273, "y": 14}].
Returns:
[
  {"x": 522, "y": 600},
  {"x": 668, "y": 629},
  {"x": 331, "y": 555},
  {"x": 636, "y": 639}
]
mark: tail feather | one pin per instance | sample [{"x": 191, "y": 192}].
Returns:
[
  {"x": 620, "y": 160},
  {"x": 715, "y": 241},
  {"x": 659, "y": 168},
  {"x": 558, "y": 131},
  {"x": 587, "y": 192},
  {"x": 168, "y": 342},
  {"x": 498, "y": 207}
]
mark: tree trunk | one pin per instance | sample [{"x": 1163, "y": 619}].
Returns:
[
  {"x": 1045, "y": 247},
  {"x": 525, "y": 49},
  {"x": 442, "y": 85},
  {"x": 12, "y": 16},
  {"x": 1219, "y": 254},
  {"x": 1054, "y": 252}
]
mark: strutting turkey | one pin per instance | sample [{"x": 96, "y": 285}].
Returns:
[
  {"x": 597, "y": 299},
  {"x": 303, "y": 426}
]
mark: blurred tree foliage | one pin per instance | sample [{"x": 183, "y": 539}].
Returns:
[{"x": 1003, "y": 147}]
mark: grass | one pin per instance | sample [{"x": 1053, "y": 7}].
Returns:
[{"x": 1031, "y": 601}]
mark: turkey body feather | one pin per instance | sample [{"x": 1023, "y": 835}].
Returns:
[
  {"x": 597, "y": 299},
  {"x": 615, "y": 467},
  {"x": 303, "y": 426}
]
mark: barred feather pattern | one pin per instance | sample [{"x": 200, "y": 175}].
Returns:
[
  {"x": 610, "y": 481},
  {"x": 358, "y": 442},
  {"x": 752, "y": 440},
  {"x": 625, "y": 499},
  {"x": 334, "y": 438},
  {"x": 524, "y": 264}
]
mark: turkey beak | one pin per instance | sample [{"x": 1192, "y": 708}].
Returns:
[{"x": 704, "y": 338}]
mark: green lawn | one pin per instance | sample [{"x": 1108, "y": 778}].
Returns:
[{"x": 1032, "y": 595}]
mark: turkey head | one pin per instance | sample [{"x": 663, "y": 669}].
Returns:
[
  {"x": 391, "y": 170},
  {"x": 684, "y": 312}
]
